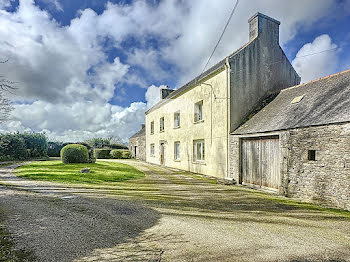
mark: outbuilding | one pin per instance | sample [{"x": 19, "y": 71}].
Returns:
[
  {"x": 137, "y": 144},
  {"x": 299, "y": 144}
]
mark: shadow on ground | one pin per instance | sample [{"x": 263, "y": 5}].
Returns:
[{"x": 68, "y": 227}]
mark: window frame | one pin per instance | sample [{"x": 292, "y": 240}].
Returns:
[
  {"x": 177, "y": 124},
  {"x": 198, "y": 111},
  {"x": 152, "y": 146},
  {"x": 152, "y": 128},
  {"x": 311, "y": 155},
  {"x": 161, "y": 124},
  {"x": 195, "y": 150},
  {"x": 177, "y": 151}
]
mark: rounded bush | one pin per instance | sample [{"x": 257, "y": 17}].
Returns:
[
  {"x": 127, "y": 154},
  {"x": 116, "y": 154},
  {"x": 74, "y": 153},
  {"x": 102, "y": 153}
]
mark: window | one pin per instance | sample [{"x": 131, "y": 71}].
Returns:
[
  {"x": 198, "y": 150},
  {"x": 152, "y": 150},
  {"x": 177, "y": 150},
  {"x": 177, "y": 120},
  {"x": 152, "y": 127},
  {"x": 161, "y": 124},
  {"x": 198, "y": 111},
  {"x": 311, "y": 156}
]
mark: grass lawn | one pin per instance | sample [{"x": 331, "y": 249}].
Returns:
[{"x": 101, "y": 172}]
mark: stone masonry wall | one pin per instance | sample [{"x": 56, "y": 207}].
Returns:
[
  {"x": 326, "y": 180},
  {"x": 140, "y": 142}
]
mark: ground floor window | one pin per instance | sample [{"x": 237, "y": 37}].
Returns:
[
  {"x": 177, "y": 150},
  {"x": 198, "y": 150},
  {"x": 152, "y": 150}
]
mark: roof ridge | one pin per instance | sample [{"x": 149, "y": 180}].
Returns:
[{"x": 316, "y": 80}]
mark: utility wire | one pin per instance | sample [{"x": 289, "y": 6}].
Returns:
[{"x": 222, "y": 34}]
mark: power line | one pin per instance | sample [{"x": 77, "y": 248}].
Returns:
[{"x": 222, "y": 34}]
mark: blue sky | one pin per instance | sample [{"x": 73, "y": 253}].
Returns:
[{"x": 90, "y": 68}]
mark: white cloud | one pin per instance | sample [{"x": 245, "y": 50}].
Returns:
[
  {"x": 321, "y": 64},
  {"x": 153, "y": 95},
  {"x": 67, "y": 78},
  {"x": 5, "y": 3}
]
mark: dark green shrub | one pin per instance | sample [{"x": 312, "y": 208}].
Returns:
[
  {"x": 102, "y": 153},
  {"x": 36, "y": 142},
  {"x": 12, "y": 147},
  {"x": 126, "y": 154},
  {"x": 54, "y": 149},
  {"x": 116, "y": 154},
  {"x": 117, "y": 146},
  {"x": 74, "y": 153}
]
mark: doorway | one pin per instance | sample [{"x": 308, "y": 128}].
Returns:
[{"x": 162, "y": 153}]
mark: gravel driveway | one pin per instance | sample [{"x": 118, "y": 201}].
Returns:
[{"x": 168, "y": 216}]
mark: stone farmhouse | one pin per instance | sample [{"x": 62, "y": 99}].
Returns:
[
  {"x": 247, "y": 119},
  {"x": 190, "y": 127}
]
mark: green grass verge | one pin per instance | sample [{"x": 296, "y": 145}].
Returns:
[{"x": 101, "y": 172}]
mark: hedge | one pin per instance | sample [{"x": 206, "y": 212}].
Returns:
[
  {"x": 20, "y": 146},
  {"x": 120, "y": 154},
  {"x": 102, "y": 153},
  {"x": 74, "y": 153}
]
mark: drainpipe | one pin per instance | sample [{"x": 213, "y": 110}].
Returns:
[{"x": 228, "y": 95}]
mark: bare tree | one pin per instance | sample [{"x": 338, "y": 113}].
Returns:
[{"x": 5, "y": 104}]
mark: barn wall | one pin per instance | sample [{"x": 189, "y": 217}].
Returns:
[
  {"x": 140, "y": 142},
  {"x": 326, "y": 180}
]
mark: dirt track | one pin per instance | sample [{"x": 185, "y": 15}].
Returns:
[{"x": 167, "y": 216}]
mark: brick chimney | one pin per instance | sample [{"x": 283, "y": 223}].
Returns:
[{"x": 264, "y": 27}]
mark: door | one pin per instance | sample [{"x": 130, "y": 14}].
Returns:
[
  {"x": 162, "y": 153},
  {"x": 135, "y": 152},
  {"x": 260, "y": 162}
]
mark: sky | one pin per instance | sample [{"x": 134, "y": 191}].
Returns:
[{"x": 90, "y": 68}]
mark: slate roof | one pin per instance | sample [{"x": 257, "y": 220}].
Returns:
[
  {"x": 142, "y": 132},
  {"x": 324, "y": 101}
]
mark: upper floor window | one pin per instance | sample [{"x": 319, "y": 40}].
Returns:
[
  {"x": 199, "y": 150},
  {"x": 161, "y": 124},
  {"x": 177, "y": 150},
  {"x": 198, "y": 111},
  {"x": 177, "y": 119},
  {"x": 152, "y": 127}
]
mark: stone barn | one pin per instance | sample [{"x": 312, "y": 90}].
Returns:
[
  {"x": 137, "y": 144},
  {"x": 299, "y": 144}
]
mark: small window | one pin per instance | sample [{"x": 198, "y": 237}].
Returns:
[
  {"x": 152, "y": 127},
  {"x": 311, "y": 155},
  {"x": 198, "y": 111},
  {"x": 177, "y": 120},
  {"x": 152, "y": 150},
  {"x": 198, "y": 150},
  {"x": 161, "y": 124},
  {"x": 177, "y": 150}
]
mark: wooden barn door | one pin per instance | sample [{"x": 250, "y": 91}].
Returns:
[{"x": 260, "y": 162}]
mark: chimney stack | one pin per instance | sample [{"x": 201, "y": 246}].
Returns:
[
  {"x": 164, "y": 92},
  {"x": 264, "y": 27}
]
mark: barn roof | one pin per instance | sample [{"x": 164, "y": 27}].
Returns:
[
  {"x": 142, "y": 132},
  {"x": 320, "y": 102}
]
